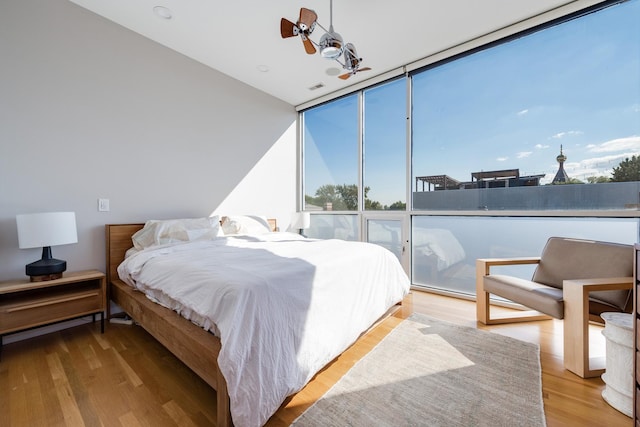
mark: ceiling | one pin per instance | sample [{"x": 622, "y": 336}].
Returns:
[{"x": 241, "y": 38}]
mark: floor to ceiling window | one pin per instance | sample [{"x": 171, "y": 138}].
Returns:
[
  {"x": 331, "y": 168},
  {"x": 543, "y": 122},
  {"x": 331, "y": 156},
  {"x": 493, "y": 128},
  {"x": 384, "y": 142},
  {"x": 531, "y": 136}
]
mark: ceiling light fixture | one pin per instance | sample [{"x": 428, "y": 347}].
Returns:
[
  {"x": 330, "y": 42},
  {"x": 330, "y": 45},
  {"x": 162, "y": 12}
]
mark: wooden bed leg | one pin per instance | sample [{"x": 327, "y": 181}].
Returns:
[{"x": 223, "y": 406}]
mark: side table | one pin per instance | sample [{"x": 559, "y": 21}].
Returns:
[
  {"x": 618, "y": 376},
  {"x": 26, "y": 305}
]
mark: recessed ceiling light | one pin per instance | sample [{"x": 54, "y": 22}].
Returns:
[
  {"x": 262, "y": 68},
  {"x": 333, "y": 71},
  {"x": 162, "y": 12}
]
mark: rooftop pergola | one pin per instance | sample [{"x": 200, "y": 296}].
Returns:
[
  {"x": 442, "y": 181},
  {"x": 495, "y": 175}
]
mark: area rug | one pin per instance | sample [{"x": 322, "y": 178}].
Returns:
[{"x": 433, "y": 373}]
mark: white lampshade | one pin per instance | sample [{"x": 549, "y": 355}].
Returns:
[
  {"x": 301, "y": 220},
  {"x": 46, "y": 229}
]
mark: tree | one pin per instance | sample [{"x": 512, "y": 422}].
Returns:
[
  {"x": 627, "y": 170},
  {"x": 372, "y": 205},
  {"x": 398, "y": 206},
  {"x": 349, "y": 194},
  {"x": 345, "y": 198},
  {"x": 597, "y": 179},
  {"x": 342, "y": 197},
  {"x": 326, "y": 194},
  {"x": 571, "y": 181}
]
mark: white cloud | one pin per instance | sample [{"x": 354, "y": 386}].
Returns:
[
  {"x": 630, "y": 143},
  {"x": 594, "y": 166},
  {"x": 604, "y": 162},
  {"x": 594, "y": 159},
  {"x": 568, "y": 133},
  {"x": 523, "y": 112},
  {"x": 502, "y": 159},
  {"x": 524, "y": 154}
]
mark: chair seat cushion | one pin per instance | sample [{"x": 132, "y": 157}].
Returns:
[
  {"x": 543, "y": 298},
  {"x": 539, "y": 297}
]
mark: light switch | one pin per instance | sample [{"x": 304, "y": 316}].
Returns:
[{"x": 103, "y": 205}]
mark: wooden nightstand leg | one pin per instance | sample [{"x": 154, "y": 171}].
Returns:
[{"x": 102, "y": 322}]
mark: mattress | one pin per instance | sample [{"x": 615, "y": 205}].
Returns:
[{"x": 283, "y": 305}]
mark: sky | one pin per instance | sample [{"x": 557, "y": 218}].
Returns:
[{"x": 575, "y": 86}]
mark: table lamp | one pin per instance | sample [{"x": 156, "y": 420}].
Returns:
[
  {"x": 46, "y": 230},
  {"x": 301, "y": 221}
]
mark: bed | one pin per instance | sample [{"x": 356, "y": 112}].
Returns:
[{"x": 298, "y": 341}]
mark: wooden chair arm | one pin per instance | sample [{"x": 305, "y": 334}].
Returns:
[
  {"x": 483, "y": 265},
  {"x": 604, "y": 284}
]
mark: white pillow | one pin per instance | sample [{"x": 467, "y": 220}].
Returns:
[
  {"x": 245, "y": 224},
  {"x": 161, "y": 232}
]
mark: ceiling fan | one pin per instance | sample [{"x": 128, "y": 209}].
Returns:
[
  {"x": 303, "y": 27},
  {"x": 331, "y": 44},
  {"x": 351, "y": 62}
]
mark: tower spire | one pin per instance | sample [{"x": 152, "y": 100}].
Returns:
[{"x": 561, "y": 176}]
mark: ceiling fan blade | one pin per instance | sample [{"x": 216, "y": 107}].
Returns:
[
  {"x": 307, "y": 17},
  {"x": 308, "y": 46},
  {"x": 345, "y": 76},
  {"x": 287, "y": 28}
]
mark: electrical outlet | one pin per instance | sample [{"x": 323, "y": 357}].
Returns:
[{"x": 103, "y": 205}]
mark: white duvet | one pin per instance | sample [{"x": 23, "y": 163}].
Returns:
[{"x": 283, "y": 306}]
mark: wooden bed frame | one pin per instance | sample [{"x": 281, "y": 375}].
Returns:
[{"x": 195, "y": 347}]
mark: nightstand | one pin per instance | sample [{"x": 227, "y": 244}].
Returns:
[{"x": 26, "y": 305}]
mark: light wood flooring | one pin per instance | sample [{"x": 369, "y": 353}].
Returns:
[{"x": 124, "y": 377}]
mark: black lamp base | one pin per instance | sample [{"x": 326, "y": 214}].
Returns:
[{"x": 46, "y": 268}]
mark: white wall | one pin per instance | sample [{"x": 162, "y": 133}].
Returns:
[{"x": 89, "y": 110}]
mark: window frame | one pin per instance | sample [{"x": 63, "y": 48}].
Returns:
[
  {"x": 612, "y": 213},
  {"x": 408, "y": 72}
]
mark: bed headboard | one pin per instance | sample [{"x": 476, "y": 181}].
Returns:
[{"x": 118, "y": 241}]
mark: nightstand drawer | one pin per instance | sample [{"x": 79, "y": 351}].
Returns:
[
  {"x": 28, "y": 305},
  {"x": 41, "y": 311}
]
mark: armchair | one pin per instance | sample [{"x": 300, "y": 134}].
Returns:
[{"x": 575, "y": 280}]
